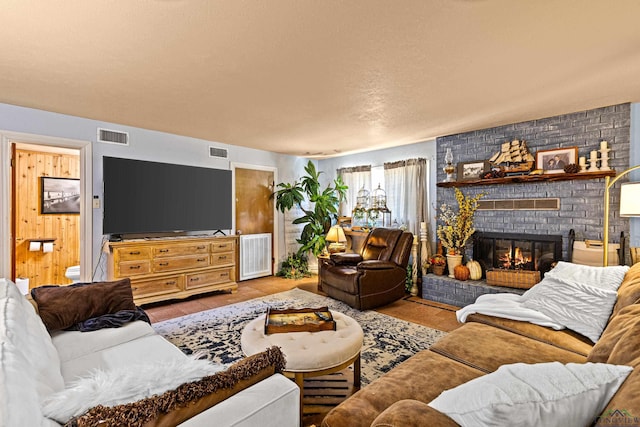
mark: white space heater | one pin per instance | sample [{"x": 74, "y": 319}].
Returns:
[{"x": 255, "y": 255}]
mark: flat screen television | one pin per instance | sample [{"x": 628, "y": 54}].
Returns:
[{"x": 151, "y": 197}]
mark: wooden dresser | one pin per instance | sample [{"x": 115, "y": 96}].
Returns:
[{"x": 162, "y": 269}]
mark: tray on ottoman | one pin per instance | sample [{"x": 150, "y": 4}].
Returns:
[{"x": 298, "y": 320}]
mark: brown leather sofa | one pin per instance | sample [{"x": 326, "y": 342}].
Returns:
[
  {"x": 481, "y": 346},
  {"x": 373, "y": 277}
]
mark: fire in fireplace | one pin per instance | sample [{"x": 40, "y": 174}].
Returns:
[{"x": 517, "y": 251}]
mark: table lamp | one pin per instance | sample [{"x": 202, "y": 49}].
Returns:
[
  {"x": 337, "y": 238},
  {"x": 629, "y": 206}
]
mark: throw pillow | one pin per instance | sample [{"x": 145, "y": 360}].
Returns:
[
  {"x": 545, "y": 394},
  {"x": 61, "y": 307},
  {"x": 578, "y": 297},
  {"x": 124, "y": 385}
]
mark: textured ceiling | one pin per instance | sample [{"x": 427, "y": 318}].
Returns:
[{"x": 318, "y": 78}]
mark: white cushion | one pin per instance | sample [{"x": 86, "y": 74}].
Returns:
[
  {"x": 30, "y": 366},
  {"x": 578, "y": 297},
  {"x": 545, "y": 394},
  {"x": 74, "y": 344},
  {"x": 124, "y": 384},
  {"x": 147, "y": 349}
]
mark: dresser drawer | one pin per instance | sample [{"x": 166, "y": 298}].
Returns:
[
  {"x": 161, "y": 251},
  {"x": 212, "y": 277},
  {"x": 222, "y": 258},
  {"x": 224, "y": 246},
  {"x": 157, "y": 286},
  {"x": 132, "y": 254},
  {"x": 133, "y": 268},
  {"x": 180, "y": 263}
]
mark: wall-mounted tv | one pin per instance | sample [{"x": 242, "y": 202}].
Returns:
[{"x": 151, "y": 197}]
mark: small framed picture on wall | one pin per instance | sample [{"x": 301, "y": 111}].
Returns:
[
  {"x": 472, "y": 170},
  {"x": 59, "y": 195}
]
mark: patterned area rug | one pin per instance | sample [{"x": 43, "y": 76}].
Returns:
[{"x": 387, "y": 341}]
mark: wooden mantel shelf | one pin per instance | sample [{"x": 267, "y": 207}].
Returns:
[{"x": 528, "y": 178}]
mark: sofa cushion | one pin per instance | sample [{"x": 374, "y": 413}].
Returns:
[
  {"x": 487, "y": 348},
  {"x": 624, "y": 326},
  {"x": 61, "y": 307},
  {"x": 422, "y": 377},
  {"x": 629, "y": 290},
  {"x": 565, "y": 338},
  {"x": 412, "y": 413},
  {"x": 74, "y": 344},
  {"x": 148, "y": 349},
  {"x": 29, "y": 361},
  {"x": 546, "y": 394}
]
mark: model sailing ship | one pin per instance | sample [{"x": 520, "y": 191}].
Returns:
[{"x": 513, "y": 158}]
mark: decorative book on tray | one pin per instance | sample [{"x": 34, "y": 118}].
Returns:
[{"x": 299, "y": 320}]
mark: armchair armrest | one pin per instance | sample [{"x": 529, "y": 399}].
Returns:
[
  {"x": 374, "y": 264},
  {"x": 343, "y": 258}
]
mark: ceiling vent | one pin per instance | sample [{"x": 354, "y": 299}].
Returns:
[
  {"x": 218, "y": 152},
  {"x": 113, "y": 136}
]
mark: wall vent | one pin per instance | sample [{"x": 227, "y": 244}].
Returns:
[
  {"x": 113, "y": 136},
  {"x": 218, "y": 152}
]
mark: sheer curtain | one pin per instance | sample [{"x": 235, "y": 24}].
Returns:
[
  {"x": 406, "y": 187},
  {"x": 355, "y": 178}
]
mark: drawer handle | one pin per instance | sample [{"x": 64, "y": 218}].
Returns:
[
  {"x": 134, "y": 289},
  {"x": 201, "y": 259},
  {"x": 222, "y": 246},
  {"x": 134, "y": 253},
  {"x": 164, "y": 250},
  {"x": 201, "y": 247},
  {"x": 222, "y": 257},
  {"x": 134, "y": 267},
  {"x": 224, "y": 275},
  {"x": 163, "y": 264},
  {"x": 194, "y": 279},
  {"x": 171, "y": 283}
]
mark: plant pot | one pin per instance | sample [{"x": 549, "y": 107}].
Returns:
[
  {"x": 438, "y": 270},
  {"x": 452, "y": 262}
]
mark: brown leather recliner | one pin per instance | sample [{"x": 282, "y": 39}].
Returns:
[{"x": 376, "y": 276}]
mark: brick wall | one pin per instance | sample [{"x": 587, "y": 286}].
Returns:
[{"x": 581, "y": 201}]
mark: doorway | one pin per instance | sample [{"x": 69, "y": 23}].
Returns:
[
  {"x": 36, "y": 246},
  {"x": 254, "y": 207}
]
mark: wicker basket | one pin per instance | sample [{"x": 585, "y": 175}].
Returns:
[{"x": 521, "y": 279}]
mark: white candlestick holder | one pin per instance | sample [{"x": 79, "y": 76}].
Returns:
[
  {"x": 604, "y": 159},
  {"x": 593, "y": 165}
]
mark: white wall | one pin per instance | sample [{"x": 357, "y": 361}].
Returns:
[{"x": 144, "y": 145}]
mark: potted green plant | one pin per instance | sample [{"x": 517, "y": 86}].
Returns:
[{"x": 323, "y": 210}]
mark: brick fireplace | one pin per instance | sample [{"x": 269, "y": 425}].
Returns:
[{"x": 542, "y": 208}]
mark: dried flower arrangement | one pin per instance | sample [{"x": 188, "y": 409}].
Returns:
[{"x": 457, "y": 227}]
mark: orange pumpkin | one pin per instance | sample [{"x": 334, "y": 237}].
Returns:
[{"x": 461, "y": 272}]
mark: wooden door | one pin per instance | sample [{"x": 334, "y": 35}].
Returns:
[{"x": 254, "y": 205}]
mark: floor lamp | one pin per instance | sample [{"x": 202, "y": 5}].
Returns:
[{"x": 629, "y": 206}]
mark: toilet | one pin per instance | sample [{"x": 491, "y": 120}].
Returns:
[{"x": 73, "y": 273}]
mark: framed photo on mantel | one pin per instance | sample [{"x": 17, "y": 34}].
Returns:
[
  {"x": 468, "y": 171},
  {"x": 554, "y": 161}
]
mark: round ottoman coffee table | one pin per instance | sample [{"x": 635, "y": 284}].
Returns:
[{"x": 310, "y": 354}]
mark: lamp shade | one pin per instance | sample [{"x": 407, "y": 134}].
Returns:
[
  {"x": 336, "y": 234},
  {"x": 630, "y": 199}
]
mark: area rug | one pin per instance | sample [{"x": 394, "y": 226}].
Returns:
[{"x": 387, "y": 341}]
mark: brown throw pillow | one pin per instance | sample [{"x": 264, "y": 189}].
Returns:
[{"x": 61, "y": 307}]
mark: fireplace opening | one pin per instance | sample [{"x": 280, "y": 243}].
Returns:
[{"x": 531, "y": 252}]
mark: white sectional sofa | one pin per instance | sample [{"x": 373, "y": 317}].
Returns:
[{"x": 34, "y": 364}]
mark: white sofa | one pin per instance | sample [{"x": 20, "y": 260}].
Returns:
[{"x": 34, "y": 364}]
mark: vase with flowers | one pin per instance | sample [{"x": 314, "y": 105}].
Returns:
[{"x": 457, "y": 227}]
